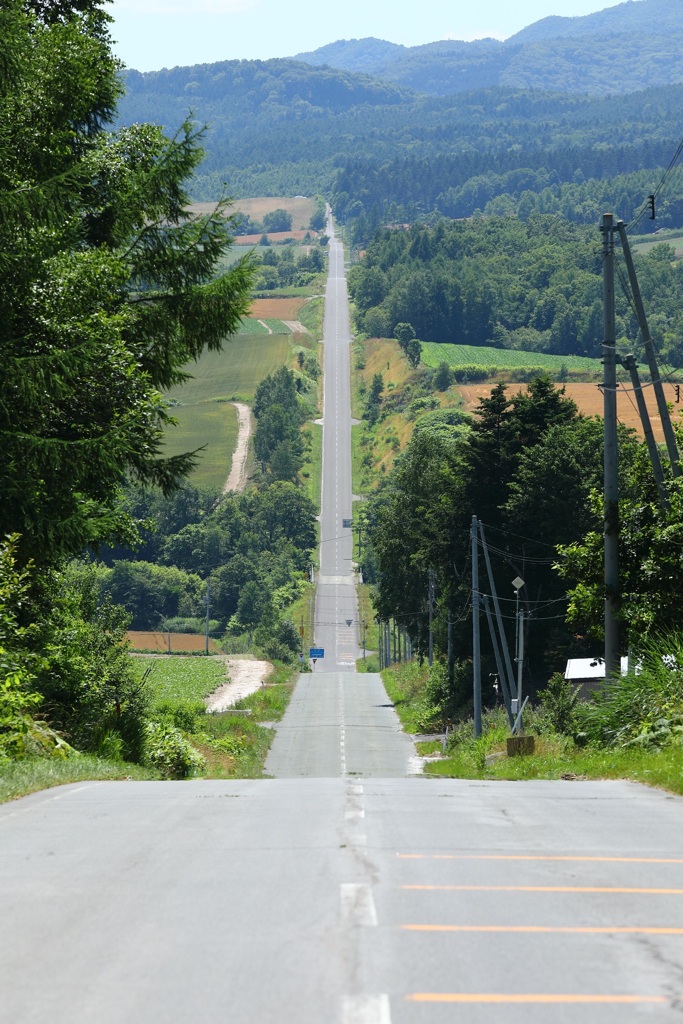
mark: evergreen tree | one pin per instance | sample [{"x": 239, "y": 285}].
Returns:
[{"x": 107, "y": 286}]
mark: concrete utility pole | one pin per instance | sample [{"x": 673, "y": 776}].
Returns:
[
  {"x": 611, "y": 483},
  {"x": 499, "y": 618},
  {"x": 650, "y": 355},
  {"x": 431, "y": 617},
  {"x": 208, "y": 605},
  {"x": 630, "y": 363},
  {"x": 476, "y": 641}
]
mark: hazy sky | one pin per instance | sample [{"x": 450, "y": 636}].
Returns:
[{"x": 152, "y": 34}]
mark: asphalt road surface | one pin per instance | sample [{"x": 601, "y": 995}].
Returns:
[{"x": 342, "y": 890}]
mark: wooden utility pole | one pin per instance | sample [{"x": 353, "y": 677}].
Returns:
[{"x": 611, "y": 482}]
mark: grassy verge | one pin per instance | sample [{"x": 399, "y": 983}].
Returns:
[
  {"x": 236, "y": 746},
  {"x": 407, "y": 685},
  {"x": 31, "y": 774},
  {"x": 302, "y": 614},
  {"x": 312, "y": 469},
  {"x": 311, "y": 315},
  {"x": 555, "y": 756}
]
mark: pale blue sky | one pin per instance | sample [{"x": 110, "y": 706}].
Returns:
[{"x": 152, "y": 34}]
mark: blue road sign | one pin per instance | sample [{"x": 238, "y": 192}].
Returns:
[{"x": 316, "y": 652}]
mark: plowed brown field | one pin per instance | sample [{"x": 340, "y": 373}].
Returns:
[
  {"x": 274, "y": 236},
  {"x": 589, "y": 399},
  {"x": 276, "y": 309},
  {"x": 162, "y": 642}
]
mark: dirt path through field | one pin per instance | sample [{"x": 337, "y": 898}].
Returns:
[
  {"x": 245, "y": 676},
  {"x": 238, "y": 471}
]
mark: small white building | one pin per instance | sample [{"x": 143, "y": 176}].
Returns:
[{"x": 588, "y": 674}]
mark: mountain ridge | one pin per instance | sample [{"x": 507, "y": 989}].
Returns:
[{"x": 557, "y": 53}]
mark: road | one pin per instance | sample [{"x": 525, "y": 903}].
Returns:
[
  {"x": 344, "y": 889},
  {"x": 336, "y": 627}
]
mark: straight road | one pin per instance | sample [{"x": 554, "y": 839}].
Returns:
[
  {"x": 336, "y": 626},
  {"x": 341, "y": 890},
  {"x": 342, "y": 901}
]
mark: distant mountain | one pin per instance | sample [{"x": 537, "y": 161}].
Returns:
[
  {"x": 622, "y": 49},
  {"x": 368, "y": 55},
  {"x": 649, "y": 17}
]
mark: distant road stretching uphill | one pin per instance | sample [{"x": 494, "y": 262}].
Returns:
[{"x": 341, "y": 891}]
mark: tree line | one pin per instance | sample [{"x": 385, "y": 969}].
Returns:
[
  {"x": 108, "y": 288},
  {"x": 534, "y": 286},
  {"x": 529, "y": 466}
]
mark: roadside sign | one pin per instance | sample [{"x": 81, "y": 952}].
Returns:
[{"x": 316, "y": 652}]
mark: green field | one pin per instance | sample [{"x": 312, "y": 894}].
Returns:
[
  {"x": 642, "y": 244},
  {"x": 202, "y": 405},
  {"x": 210, "y": 424},
  {"x": 182, "y": 679},
  {"x": 251, "y": 326},
  {"x": 504, "y": 358},
  {"x": 235, "y": 372}
]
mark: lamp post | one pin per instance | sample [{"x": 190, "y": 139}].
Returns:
[{"x": 518, "y": 583}]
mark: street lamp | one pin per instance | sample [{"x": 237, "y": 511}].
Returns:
[{"x": 518, "y": 583}]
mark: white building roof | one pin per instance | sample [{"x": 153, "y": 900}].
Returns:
[{"x": 589, "y": 668}]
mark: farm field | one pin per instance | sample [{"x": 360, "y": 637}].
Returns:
[
  {"x": 234, "y": 372},
  {"x": 504, "y": 359},
  {"x": 276, "y": 309},
  {"x": 188, "y": 643},
  {"x": 588, "y": 398},
  {"x": 273, "y": 236},
  {"x": 301, "y": 209},
  {"x": 210, "y": 424},
  {"x": 642, "y": 244},
  {"x": 202, "y": 405}
]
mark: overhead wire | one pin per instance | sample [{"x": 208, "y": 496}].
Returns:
[{"x": 665, "y": 177}]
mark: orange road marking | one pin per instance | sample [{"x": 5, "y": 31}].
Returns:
[
  {"x": 532, "y": 997},
  {"x": 544, "y": 929},
  {"x": 490, "y": 856},
  {"x": 542, "y": 888}
]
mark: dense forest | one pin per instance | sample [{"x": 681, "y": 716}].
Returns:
[
  {"x": 388, "y": 153},
  {"x": 559, "y": 54},
  {"x": 533, "y": 285},
  {"x": 529, "y": 466}
]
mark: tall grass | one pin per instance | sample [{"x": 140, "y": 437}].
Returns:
[{"x": 644, "y": 706}]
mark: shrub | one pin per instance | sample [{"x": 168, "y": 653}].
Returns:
[
  {"x": 645, "y": 706},
  {"x": 169, "y": 752},
  {"x": 559, "y": 703}
]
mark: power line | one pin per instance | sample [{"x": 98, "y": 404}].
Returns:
[{"x": 660, "y": 186}]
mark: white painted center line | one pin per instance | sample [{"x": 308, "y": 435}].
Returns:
[
  {"x": 357, "y": 906},
  {"x": 366, "y": 1010}
]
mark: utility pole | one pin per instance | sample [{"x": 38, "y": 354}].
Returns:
[
  {"x": 451, "y": 653},
  {"x": 476, "y": 642},
  {"x": 650, "y": 355},
  {"x": 431, "y": 617},
  {"x": 380, "y": 645},
  {"x": 499, "y": 664},
  {"x": 611, "y": 482},
  {"x": 208, "y": 604},
  {"x": 630, "y": 363},
  {"x": 520, "y": 664},
  {"x": 499, "y": 618}
]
